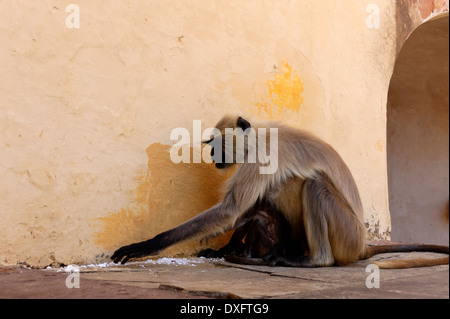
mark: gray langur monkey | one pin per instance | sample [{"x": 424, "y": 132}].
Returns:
[{"x": 311, "y": 186}]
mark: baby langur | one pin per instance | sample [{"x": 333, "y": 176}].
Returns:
[
  {"x": 264, "y": 233},
  {"x": 311, "y": 187}
]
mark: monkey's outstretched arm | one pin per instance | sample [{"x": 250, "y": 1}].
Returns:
[{"x": 211, "y": 222}]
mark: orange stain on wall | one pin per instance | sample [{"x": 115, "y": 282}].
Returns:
[
  {"x": 166, "y": 195},
  {"x": 284, "y": 94}
]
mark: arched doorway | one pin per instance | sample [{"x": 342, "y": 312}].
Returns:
[{"x": 418, "y": 136}]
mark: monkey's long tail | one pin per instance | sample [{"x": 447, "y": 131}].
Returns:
[{"x": 411, "y": 263}]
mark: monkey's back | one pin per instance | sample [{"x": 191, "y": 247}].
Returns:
[{"x": 302, "y": 154}]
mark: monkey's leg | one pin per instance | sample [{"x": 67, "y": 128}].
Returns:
[{"x": 333, "y": 231}]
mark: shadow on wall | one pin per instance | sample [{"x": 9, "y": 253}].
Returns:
[{"x": 166, "y": 196}]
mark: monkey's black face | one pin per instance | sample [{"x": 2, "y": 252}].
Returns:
[
  {"x": 219, "y": 164},
  {"x": 219, "y": 159},
  {"x": 224, "y": 152},
  {"x": 223, "y": 165}
]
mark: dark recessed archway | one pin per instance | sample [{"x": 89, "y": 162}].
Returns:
[{"x": 418, "y": 136}]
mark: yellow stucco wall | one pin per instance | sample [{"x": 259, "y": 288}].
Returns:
[{"x": 86, "y": 113}]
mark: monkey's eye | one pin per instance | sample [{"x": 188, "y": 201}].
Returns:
[{"x": 212, "y": 151}]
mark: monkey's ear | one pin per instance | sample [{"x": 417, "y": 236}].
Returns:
[{"x": 243, "y": 124}]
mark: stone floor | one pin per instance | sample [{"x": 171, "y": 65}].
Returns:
[{"x": 170, "y": 278}]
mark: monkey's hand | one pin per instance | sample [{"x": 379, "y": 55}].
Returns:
[{"x": 142, "y": 249}]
